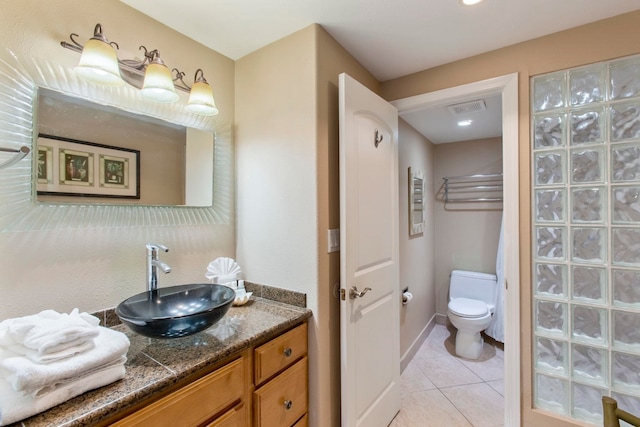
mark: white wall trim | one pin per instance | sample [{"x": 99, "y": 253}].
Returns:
[
  {"x": 417, "y": 343},
  {"x": 508, "y": 86}
]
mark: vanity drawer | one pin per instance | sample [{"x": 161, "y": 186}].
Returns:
[
  {"x": 303, "y": 422},
  {"x": 195, "y": 403},
  {"x": 283, "y": 400},
  {"x": 234, "y": 417},
  {"x": 279, "y": 353}
]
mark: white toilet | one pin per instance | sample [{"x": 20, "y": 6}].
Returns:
[{"x": 472, "y": 299}]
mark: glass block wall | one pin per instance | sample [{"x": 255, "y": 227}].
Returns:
[{"x": 586, "y": 238}]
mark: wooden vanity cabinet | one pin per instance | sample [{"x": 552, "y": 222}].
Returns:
[
  {"x": 281, "y": 378},
  {"x": 274, "y": 376}
]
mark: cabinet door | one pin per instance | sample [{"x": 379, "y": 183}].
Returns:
[
  {"x": 283, "y": 400},
  {"x": 195, "y": 403},
  {"x": 234, "y": 417}
]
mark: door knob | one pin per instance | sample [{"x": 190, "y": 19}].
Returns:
[{"x": 354, "y": 293}]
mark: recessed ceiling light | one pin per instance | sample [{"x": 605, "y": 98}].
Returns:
[
  {"x": 469, "y": 2},
  {"x": 465, "y": 122}
]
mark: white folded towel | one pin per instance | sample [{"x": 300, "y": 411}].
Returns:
[
  {"x": 81, "y": 347},
  {"x": 25, "y": 375},
  {"x": 49, "y": 331},
  {"x": 16, "y": 406}
]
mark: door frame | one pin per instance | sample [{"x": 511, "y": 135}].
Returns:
[{"x": 507, "y": 86}]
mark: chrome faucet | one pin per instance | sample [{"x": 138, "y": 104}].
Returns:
[{"x": 153, "y": 263}]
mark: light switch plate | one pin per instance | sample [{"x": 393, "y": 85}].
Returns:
[{"x": 333, "y": 239}]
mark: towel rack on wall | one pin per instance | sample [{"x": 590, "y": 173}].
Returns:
[
  {"x": 20, "y": 154},
  {"x": 472, "y": 188}
]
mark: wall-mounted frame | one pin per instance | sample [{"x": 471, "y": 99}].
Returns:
[
  {"x": 68, "y": 167},
  {"x": 416, "y": 201}
]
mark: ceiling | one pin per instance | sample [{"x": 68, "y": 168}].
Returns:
[{"x": 391, "y": 38}]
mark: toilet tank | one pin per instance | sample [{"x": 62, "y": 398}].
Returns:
[{"x": 473, "y": 285}]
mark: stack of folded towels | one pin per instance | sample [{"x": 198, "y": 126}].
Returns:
[{"x": 50, "y": 357}]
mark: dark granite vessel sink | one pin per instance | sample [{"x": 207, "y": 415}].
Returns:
[{"x": 176, "y": 311}]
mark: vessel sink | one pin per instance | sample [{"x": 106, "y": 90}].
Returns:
[{"x": 176, "y": 311}]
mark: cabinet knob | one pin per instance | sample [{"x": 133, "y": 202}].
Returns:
[
  {"x": 288, "y": 352},
  {"x": 288, "y": 404}
]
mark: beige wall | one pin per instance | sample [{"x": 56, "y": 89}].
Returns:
[
  {"x": 287, "y": 158},
  {"x": 417, "y": 254},
  {"x": 466, "y": 233},
  {"x": 96, "y": 268},
  {"x": 599, "y": 41}
]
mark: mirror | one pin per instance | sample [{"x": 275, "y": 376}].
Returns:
[
  {"x": 416, "y": 201},
  {"x": 21, "y": 78},
  {"x": 107, "y": 155}
]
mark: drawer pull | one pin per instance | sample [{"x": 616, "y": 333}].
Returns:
[
  {"x": 288, "y": 404},
  {"x": 288, "y": 352}
]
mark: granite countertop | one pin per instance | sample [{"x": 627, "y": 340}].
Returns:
[{"x": 154, "y": 364}]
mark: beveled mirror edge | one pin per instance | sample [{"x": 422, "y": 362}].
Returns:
[{"x": 19, "y": 211}]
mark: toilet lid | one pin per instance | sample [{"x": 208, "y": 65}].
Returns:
[{"x": 466, "y": 307}]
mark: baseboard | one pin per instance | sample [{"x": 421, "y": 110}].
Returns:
[{"x": 417, "y": 343}]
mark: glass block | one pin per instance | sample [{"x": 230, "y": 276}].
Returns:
[
  {"x": 626, "y": 204},
  {"x": 626, "y": 330},
  {"x": 551, "y": 393},
  {"x": 587, "y": 85},
  {"x": 548, "y": 130},
  {"x": 625, "y": 78},
  {"x": 589, "y": 244},
  {"x": 626, "y": 288},
  {"x": 628, "y": 403},
  {"x": 587, "y": 127},
  {"x": 590, "y": 364},
  {"x": 625, "y": 163},
  {"x": 548, "y": 91},
  {"x": 589, "y": 324},
  {"x": 588, "y": 205},
  {"x": 550, "y": 205},
  {"x": 550, "y": 242},
  {"x": 550, "y": 280},
  {"x": 625, "y": 371},
  {"x": 551, "y": 317},
  {"x": 551, "y": 356},
  {"x": 549, "y": 168},
  {"x": 625, "y": 121},
  {"x": 626, "y": 246},
  {"x": 587, "y": 403},
  {"x": 589, "y": 284},
  {"x": 587, "y": 166}
]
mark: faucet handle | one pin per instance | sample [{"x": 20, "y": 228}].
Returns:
[{"x": 157, "y": 246}]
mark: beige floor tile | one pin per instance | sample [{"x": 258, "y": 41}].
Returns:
[
  {"x": 428, "y": 408},
  {"x": 413, "y": 379},
  {"x": 447, "y": 371},
  {"x": 479, "y": 403},
  {"x": 497, "y": 386},
  {"x": 488, "y": 369}
]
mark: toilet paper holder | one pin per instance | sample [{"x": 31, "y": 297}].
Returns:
[{"x": 406, "y": 296}]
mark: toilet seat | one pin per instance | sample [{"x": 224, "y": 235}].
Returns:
[{"x": 469, "y": 308}]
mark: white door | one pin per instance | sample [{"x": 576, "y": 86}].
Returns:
[{"x": 369, "y": 275}]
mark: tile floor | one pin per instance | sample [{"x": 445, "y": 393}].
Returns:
[{"x": 441, "y": 389}]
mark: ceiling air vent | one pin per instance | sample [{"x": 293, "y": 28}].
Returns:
[{"x": 467, "y": 107}]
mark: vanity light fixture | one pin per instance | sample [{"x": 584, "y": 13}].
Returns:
[
  {"x": 469, "y": 2},
  {"x": 99, "y": 63}
]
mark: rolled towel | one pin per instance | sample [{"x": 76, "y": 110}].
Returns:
[
  {"x": 16, "y": 406},
  {"x": 27, "y": 376},
  {"x": 49, "y": 331}
]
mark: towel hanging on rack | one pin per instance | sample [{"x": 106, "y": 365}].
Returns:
[{"x": 20, "y": 154}]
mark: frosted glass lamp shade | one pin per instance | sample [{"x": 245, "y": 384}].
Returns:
[
  {"x": 99, "y": 64},
  {"x": 201, "y": 100},
  {"x": 158, "y": 83}
]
